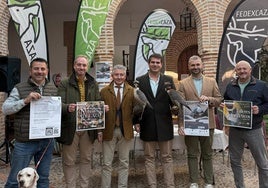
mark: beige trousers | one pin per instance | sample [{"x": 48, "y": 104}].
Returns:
[
  {"x": 123, "y": 146},
  {"x": 165, "y": 148},
  {"x": 82, "y": 143}
]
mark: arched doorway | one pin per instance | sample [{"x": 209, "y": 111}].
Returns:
[{"x": 183, "y": 60}]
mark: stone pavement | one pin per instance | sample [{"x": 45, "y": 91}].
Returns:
[{"x": 137, "y": 178}]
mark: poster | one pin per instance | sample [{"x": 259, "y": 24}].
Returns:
[
  {"x": 45, "y": 117},
  {"x": 196, "y": 121},
  {"x": 103, "y": 72},
  {"x": 237, "y": 114},
  {"x": 90, "y": 115}
]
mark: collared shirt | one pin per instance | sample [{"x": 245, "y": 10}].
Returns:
[
  {"x": 154, "y": 85},
  {"x": 121, "y": 90},
  {"x": 198, "y": 83},
  {"x": 40, "y": 87}
]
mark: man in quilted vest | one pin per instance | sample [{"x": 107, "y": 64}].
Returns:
[{"x": 18, "y": 103}]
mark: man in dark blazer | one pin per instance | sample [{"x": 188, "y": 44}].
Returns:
[{"x": 156, "y": 127}]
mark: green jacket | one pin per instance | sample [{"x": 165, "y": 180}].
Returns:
[
  {"x": 127, "y": 104},
  {"x": 69, "y": 92}
]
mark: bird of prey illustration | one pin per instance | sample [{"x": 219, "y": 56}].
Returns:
[
  {"x": 176, "y": 97},
  {"x": 141, "y": 100}
]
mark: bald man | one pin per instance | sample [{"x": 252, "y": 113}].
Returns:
[{"x": 248, "y": 88}]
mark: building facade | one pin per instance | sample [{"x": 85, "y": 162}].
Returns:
[{"x": 210, "y": 17}]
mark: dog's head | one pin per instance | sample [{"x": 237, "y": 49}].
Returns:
[{"x": 27, "y": 178}]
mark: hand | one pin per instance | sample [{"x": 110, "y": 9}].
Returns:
[
  {"x": 255, "y": 109},
  {"x": 100, "y": 136},
  {"x": 106, "y": 108},
  {"x": 137, "y": 128},
  {"x": 71, "y": 107},
  {"x": 203, "y": 98},
  {"x": 32, "y": 96},
  {"x": 222, "y": 105},
  {"x": 181, "y": 131}
]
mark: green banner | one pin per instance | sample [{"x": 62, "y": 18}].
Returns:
[{"x": 90, "y": 20}]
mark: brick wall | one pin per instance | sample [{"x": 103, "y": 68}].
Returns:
[
  {"x": 209, "y": 17},
  {"x": 4, "y": 19}
]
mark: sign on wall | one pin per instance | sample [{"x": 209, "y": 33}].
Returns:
[
  {"x": 154, "y": 36},
  {"x": 243, "y": 38},
  {"x": 27, "y": 16}
]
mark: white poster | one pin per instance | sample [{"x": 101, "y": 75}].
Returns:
[
  {"x": 196, "y": 122},
  {"x": 45, "y": 117}
]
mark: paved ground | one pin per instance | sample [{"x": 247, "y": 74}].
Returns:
[{"x": 223, "y": 173}]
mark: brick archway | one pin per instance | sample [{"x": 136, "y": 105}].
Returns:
[
  {"x": 183, "y": 60},
  {"x": 179, "y": 42}
]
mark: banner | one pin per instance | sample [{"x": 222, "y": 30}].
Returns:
[
  {"x": 90, "y": 20},
  {"x": 27, "y": 16},
  {"x": 243, "y": 39},
  {"x": 154, "y": 36}
]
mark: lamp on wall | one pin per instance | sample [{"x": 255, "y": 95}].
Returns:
[{"x": 187, "y": 21}]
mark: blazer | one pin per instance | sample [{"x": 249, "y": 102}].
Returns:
[
  {"x": 127, "y": 104},
  {"x": 209, "y": 89},
  {"x": 156, "y": 123}
]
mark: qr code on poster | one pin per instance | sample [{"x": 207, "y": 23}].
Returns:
[{"x": 49, "y": 131}]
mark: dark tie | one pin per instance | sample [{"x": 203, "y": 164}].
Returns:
[{"x": 118, "y": 104}]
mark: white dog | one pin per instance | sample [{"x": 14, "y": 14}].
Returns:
[{"x": 27, "y": 178}]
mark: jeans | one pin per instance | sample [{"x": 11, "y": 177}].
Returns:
[{"x": 22, "y": 156}]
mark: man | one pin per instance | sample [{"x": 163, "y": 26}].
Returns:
[
  {"x": 118, "y": 130},
  {"x": 156, "y": 123},
  {"x": 198, "y": 87},
  {"x": 18, "y": 103},
  {"x": 248, "y": 88},
  {"x": 79, "y": 87}
]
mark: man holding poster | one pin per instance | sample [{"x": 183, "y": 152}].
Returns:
[
  {"x": 248, "y": 88},
  {"x": 79, "y": 87},
  {"x": 198, "y": 87},
  {"x": 18, "y": 103}
]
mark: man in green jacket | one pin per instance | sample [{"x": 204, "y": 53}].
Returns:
[{"x": 79, "y": 87}]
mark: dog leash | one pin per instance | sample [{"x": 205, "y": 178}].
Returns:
[{"x": 37, "y": 164}]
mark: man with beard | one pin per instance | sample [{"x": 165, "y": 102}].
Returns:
[{"x": 198, "y": 87}]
